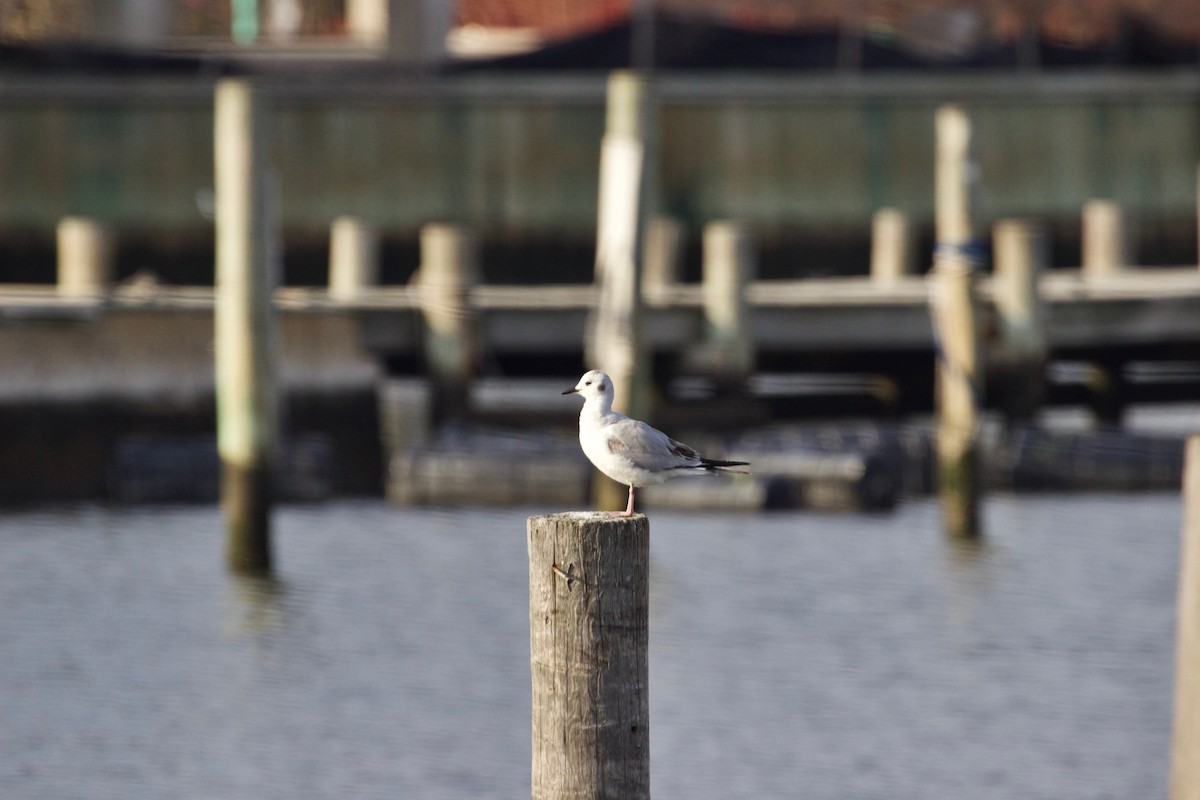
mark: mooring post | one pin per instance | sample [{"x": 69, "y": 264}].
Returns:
[
  {"x": 728, "y": 266},
  {"x": 1105, "y": 249},
  {"x": 588, "y": 655},
  {"x": 614, "y": 341},
  {"x": 662, "y": 254},
  {"x": 1185, "y": 739},
  {"x": 893, "y": 251},
  {"x": 247, "y": 272},
  {"x": 353, "y": 258},
  {"x": 449, "y": 271},
  {"x": 86, "y": 251},
  {"x": 953, "y": 309},
  {"x": 1020, "y": 253},
  {"x": 1105, "y": 253}
]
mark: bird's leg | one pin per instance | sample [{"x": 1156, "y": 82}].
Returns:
[{"x": 628, "y": 512}]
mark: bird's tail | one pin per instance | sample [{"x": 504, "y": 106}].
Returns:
[{"x": 715, "y": 465}]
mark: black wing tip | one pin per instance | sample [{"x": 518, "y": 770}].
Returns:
[{"x": 712, "y": 462}]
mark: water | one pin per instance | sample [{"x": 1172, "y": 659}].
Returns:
[{"x": 791, "y": 655}]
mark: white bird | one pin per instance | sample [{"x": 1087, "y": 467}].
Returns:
[{"x": 629, "y": 451}]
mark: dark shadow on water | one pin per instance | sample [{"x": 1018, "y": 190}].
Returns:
[
  {"x": 967, "y": 555},
  {"x": 255, "y": 606},
  {"x": 971, "y": 567}
]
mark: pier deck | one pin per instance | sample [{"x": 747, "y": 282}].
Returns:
[{"x": 1147, "y": 309}]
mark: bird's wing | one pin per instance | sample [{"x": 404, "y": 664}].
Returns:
[
  {"x": 683, "y": 451},
  {"x": 646, "y": 447}
]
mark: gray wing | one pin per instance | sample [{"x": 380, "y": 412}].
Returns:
[{"x": 648, "y": 448}]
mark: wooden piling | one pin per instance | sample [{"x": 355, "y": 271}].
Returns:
[
  {"x": 614, "y": 339},
  {"x": 588, "y": 653},
  {"x": 353, "y": 258},
  {"x": 449, "y": 271},
  {"x": 86, "y": 251},
  {"x": 662, "y": 254},
  {"x": 1185, "y": 739},
  {"x": 247, "y": 273},
  {"x": 367, "y": 21},
  {"x": 893, "y": 249},
  {"x": 1020, "y": 254},
  {"x": 1105, "y": 252},
  {"x": 953, "y": 308},
  {"x": 1105, "y": 249},
  {"x": 729, "y": 265},
  {"x": 615, "y": 336}
]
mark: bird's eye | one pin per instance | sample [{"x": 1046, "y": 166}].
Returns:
[{"x": 587, "y": 383}]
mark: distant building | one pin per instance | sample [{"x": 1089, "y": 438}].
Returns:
[{"x": 858, "y": 34}]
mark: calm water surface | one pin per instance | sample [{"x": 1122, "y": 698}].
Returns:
[{"x": 792, "y": 655}]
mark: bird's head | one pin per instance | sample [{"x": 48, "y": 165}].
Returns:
[{"x": 594, "y": 384}]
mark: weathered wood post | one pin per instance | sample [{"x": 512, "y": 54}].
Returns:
[
  {"x": 353, "y": 258},
  {"x": 247, "y": 273},
  {"x": 614, "y": 341},
  {"x": 1105, "y": 249},
  {"x": 728, "y": 266},
  {"x": 1185, "y": 739},
  {"x": 86, "y": 251},
  {"x": 1105, "y": 253},
  {"x": 588, "y": 654},
  {"x": 953, "y": 309},
  {"x": 449, "y": 271},
  {"x": 662, "y": 254},
  {"x": 893, "y": 249},
  {"x": 1020, "y": 253}
]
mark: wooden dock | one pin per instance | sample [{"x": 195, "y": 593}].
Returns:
[
  {"x": 148, "y": 349},
  {"x": 818, "y": 325}
]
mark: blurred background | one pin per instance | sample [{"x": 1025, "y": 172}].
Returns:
[{"x": 490, "y": 112}]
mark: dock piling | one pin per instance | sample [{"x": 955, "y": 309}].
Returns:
[
  {"x": 1185, "y": 739},
  {"x": 588, "y": 653},
  {"x": 247, "y": 272},
  {"x": 1105, "y": 253},
  {"x": 449, "y": 271},
  {"x": 953, "y": 309},
  {"x": 729, "y": 265},
  {"x": 353, "y": 258},
  {"x": 1020, "y": 251},
  {"x": 1105, "y": 248},
  {"x": 893, "y": 249},
  {"x": 614, "y": 337},
  {"x": 662, "y": 255},
  {"x": 86, "y": 252}
]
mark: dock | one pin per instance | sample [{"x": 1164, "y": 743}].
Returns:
[
  {"x": 50, "y": 343},
  {"x": 92, "y": 381}
]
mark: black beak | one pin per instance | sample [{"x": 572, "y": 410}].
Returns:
[{"x": 570, "y": 391}]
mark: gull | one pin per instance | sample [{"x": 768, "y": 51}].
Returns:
[{"x": 630, "y": 451}]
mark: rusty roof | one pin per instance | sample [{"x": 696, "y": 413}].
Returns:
[{"x": 1071, "y": 22}]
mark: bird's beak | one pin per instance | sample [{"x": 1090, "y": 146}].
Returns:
[{"x": 571, "y": 391}]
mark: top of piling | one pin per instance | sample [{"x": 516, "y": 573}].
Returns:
[{"x": 587, "y": 516}]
